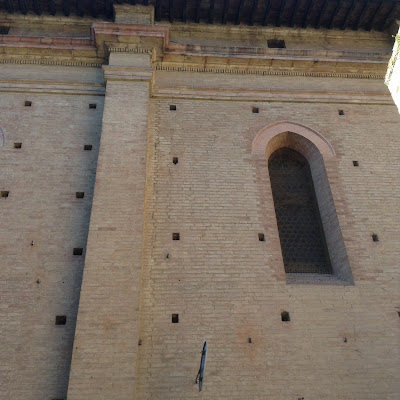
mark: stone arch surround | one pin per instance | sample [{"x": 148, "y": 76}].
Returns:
[{"x": 261, "y": 142}]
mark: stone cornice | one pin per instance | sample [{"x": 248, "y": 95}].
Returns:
[
  {"x": 273, "y": 95},
  {"x": 222, "y": 70},
  {"x": 41, "y": 61},
  {"x": 115, "y": 73},
  {"x": 109, "y": 37},
  {"x": 52, "y": 87},
  {"x": 57, "y": 43},
  {"x": 277, "y": 54}
]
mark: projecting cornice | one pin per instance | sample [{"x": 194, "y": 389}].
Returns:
[{"x": 108, "y": 37}]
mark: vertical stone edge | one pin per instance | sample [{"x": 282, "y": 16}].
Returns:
[
  {"x": 392, "y": 78},
  {"x": 105, "y": 346}
]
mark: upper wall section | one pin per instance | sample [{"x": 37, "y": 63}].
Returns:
[
  {"x": 357, "y": 14},
  {"x": 281, "y": 51}
]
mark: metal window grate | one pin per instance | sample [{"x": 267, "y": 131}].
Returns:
[{"x": 299, "y": 223}]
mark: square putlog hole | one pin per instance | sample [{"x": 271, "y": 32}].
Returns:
[
  {"x": 375, "y": 237},
  {"x": 17, "y": 145},
  {"x": 28, "y": 103},
  {"x": 341, "y": 112},
  {"x": 61, "y": 319},
  {"x": 87, "y": 147},
  {"x": 4, "y": 193},
  {"x": 175, "y": 318},
  {"x": 255, "y": 110},
  {"x": 80, "y": 195},
  {"x": 175, "y": 160},
  {"x": 261, "y": 237},
  {"x": 78, "y": 251},
  {"x": 356, "y": 164},
  {"x": 172, "y": 107},
  {"x": 176, "y": 236},
  {"x": 276, "y": 44},
  {"x": 285, "y": 317},
  {"x": 4, "y": 30},
  {"x": 93, "y": 106}
]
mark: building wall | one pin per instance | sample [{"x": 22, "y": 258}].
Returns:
[
  {"x": 43, "y": 280},
  {"x": 227, "y": 286},
  {"x": 342, "y": 341}
]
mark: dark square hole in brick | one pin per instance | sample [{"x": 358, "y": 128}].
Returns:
[
  {"x": 61, "y": 319},
  {"x": 175, "y": 318},
  {"x": 261, "y": 237},
  {"x": 175, "y": 160},
  {"x": 285, "y": 316},
  {"x": 255, "y": 110},
  {"x": 4, "y": 30},
  {"x": 92, "y": 105},
  {"x": 341, "y": 112},
  {"x": 87, "y": 147},
  {"x": 5, "y": 193},
  {"x": 17, "y": 145},
  {"x": 80, "y": 195},
  {"x": 398, "y": 312},
  {"x": 355, "y": 163},
  {"x": 375, "y": 237},
  {"x": 28, "y": 103},
  {"x": 249, "y": 339},
  {"x": 172, "y": 107},
  {"x": 176, "y": 236},
  {"x": 78, "y": 251},
  {"x": 276, "y": 44}
]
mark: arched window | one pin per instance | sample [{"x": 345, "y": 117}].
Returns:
[
  {"x": 311, "y": 239},
  {"x": 300, "y": 228}
]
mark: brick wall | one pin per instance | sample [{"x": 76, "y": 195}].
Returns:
[
  {"x": 43, "y": 280},
  {"x": 228, "y": 286}
]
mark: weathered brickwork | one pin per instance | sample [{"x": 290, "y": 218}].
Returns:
[
  {"x": 185, "y": 119},
  {"x": 228, "y": 286},
  {"x": 41, "y": 222},
  {"x": 106, "y": 357}
]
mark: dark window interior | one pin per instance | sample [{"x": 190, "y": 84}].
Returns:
[{"x": 299, "y": 223}]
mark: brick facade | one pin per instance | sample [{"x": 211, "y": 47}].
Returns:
[{"x": 342, "y": 341}]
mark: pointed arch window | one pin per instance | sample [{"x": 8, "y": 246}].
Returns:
[
  {"x": 300, "y": 228},
  {"x": 311, "y": 239}
]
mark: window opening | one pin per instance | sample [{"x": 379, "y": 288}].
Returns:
[{"x": 300, "y": 228}]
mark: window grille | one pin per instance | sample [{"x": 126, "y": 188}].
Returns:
[{"x": 301, "y": 234}]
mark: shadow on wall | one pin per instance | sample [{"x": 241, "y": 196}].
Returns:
[{"x": 2, "y": 137}]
